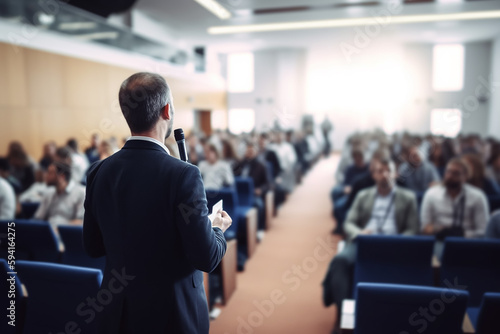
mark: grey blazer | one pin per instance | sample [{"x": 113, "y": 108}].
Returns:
[{"x": 405, "y": 204}]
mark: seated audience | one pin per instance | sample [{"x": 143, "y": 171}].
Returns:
[
  {"x": 346, "y": 160},
  {"x": 37, "y": 191},
  {"x": 49, "y": 152},
  {"x": 493, "y": 169},
  {"x": 92, "y": 152},
  {"x": 104, "y": 150},
  {"x": 384, "y": 209},
  {"x": 63, "y": 203},
  {"x": 354, "y": 171},
  {"x": 252, "y": 167},
  {"x": 6, "y": 175},
  {"x": 287, "y": 160},
  {"x": 476, "y": 175},
  {"x": 493, "y": 228},
  {"x": 228, "y": 152},
  {"x": 416, "y": 173},
  {"x": 79, "y": 161},
  {"x": 216, "y": 173},
  {"x": 441, "y": 151},
  {"x": 454, "y": 208},
  {"x": 7, "y": 200},
  {"x": 22, "y": 167},
  {"x": 361, "y": 182}
]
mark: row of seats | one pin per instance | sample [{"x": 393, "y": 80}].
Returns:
[
  {"x": 468, "y": 264},
  {"x": 394, "y": 308},
  {"x": 49, "y": 298},
  {"x": 37, "y": 241}
]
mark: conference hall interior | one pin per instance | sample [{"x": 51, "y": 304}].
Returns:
[{"x": 355, "y": 144}]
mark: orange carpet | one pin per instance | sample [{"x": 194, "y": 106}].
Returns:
[{"x": 280, "y": 290}]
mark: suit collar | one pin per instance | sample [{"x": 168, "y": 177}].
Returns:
[
  {"x": 137, "y": 144},
  {"x": 152, "y": 140}
]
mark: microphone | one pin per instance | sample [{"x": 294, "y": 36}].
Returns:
[{"x": 181, "y": 143}]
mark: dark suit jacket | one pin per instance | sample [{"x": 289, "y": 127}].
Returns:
[
  {"x": 257, "y": 171},
  {"x": 147, "y": 212}
]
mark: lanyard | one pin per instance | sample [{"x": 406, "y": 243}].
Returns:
[
  {"x": 459, "y": 212},
  {"x": 381, "y": 222}
]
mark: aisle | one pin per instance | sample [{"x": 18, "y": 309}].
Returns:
[{"x": 280, "y": 290}]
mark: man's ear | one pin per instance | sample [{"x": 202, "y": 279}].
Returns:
[{"x": 165, "y": 113}]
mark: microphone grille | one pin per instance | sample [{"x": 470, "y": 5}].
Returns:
[{"x": 178, "y": 134}]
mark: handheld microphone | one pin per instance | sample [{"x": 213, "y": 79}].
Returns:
[{"x": 181, "y": 144}]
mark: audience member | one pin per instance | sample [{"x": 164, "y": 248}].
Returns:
[
  {"x": 287, "y": 160},
  {"x": 92, "y": 152},
  {"x": 493, "y": 168},
  {"x": 216, "y": 173},
  {"x": 252, "y": 167},
  {"x": 476, "y": 175},
  {"x": 37, "y": 191},
  {"x": 5, "y": 174},
  {"x": 62, "y": 203},
  {"x": 228, "y": 152},
  {"x": 7, "y": 200},
  {"x": 416, "y": 173},
  {"x": 361, "y": 182},
  {"x": 49, "y": 152},
  {"x": 454, "y": 208},
  {"x": 22, "y": 167},
  {"x": 104, "y": 150},
  {"x": 351, "y": 174},
  {"x": 384, "y": 209},
  {"x": 79, "y": 162}
]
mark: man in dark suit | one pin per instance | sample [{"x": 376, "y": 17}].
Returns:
[{"x": 147, "y": 212}]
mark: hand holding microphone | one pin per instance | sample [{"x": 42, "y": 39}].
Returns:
[{"x": 222, "y": 220}]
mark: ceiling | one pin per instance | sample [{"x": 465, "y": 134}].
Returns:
[{"x": 188, "y": 21}]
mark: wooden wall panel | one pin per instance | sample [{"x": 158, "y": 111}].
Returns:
[
  {"x": 12, "y": 76},
  {"x": 45, "y": 96}
]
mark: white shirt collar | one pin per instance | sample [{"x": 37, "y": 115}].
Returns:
[{"x": 150, "y": 139}]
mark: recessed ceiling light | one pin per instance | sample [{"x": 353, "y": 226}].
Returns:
[
  {"x": 351, "y": 22},
  {"x": 216, "y": 8}
]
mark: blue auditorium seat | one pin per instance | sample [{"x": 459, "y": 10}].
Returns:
[
  {"x": 494, "y": 202},
  {"x": 28, "y": 209},
  {"x": 5, "y": 301},
  {"x": 35, "y": 241},
  {"x": 245, "y": 189},
  {"x": 485, "y": 318},
  {"x": 473, "y": 264},
  {"x": 394, "y": 259},
  {"x": 394, "y": 308},
  {"x": 74, "y": 253},
  {"x": 57, "y": 297}
]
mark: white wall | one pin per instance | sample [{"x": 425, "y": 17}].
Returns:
[
  {"x": 494, "y": 119},
  {"x": 279, "y": 88},
  {"x": 389, "y": 85},
  {"x": 423, "y": 98}
]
